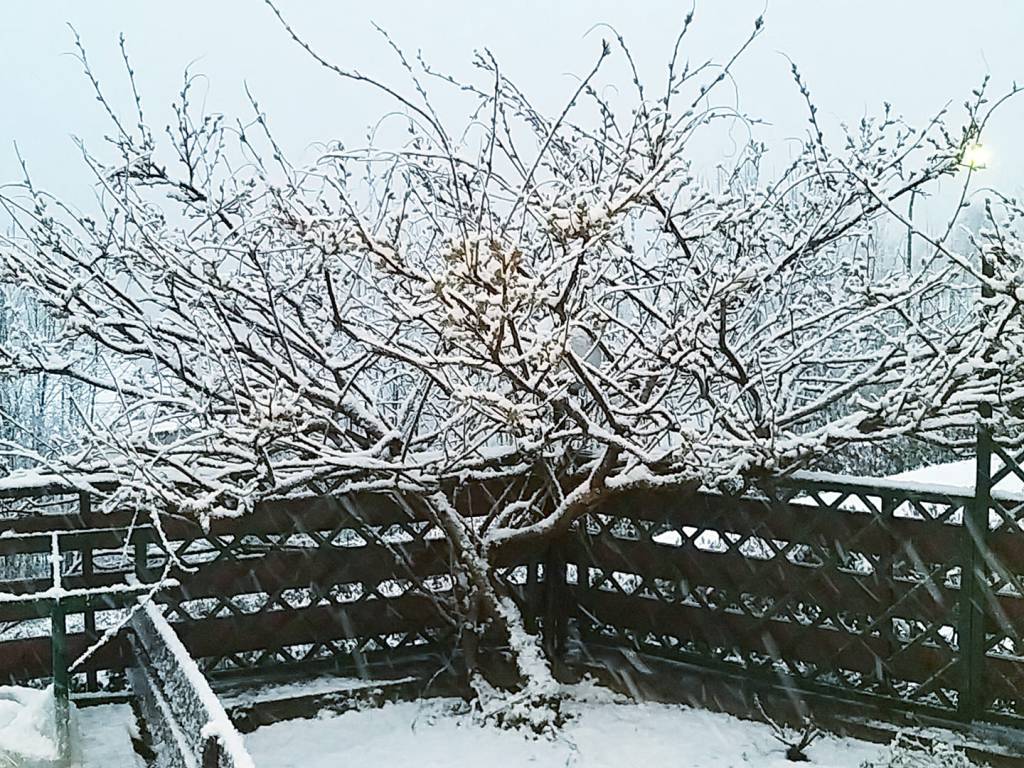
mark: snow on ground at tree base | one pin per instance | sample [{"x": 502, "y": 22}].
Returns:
[{"x": 604, "y": 733}]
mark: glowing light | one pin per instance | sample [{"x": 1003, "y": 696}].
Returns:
[{"x": 976, "y": 156}]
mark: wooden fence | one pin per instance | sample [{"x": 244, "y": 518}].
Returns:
[
  {"x": 903, "y": 595},
  {"x": 343, "y": 582},
  {"x": 822, "y": 585}
]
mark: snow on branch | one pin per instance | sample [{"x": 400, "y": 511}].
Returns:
[{"x": 555, "y": 296}]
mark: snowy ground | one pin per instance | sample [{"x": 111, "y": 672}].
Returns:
[
  {"x": 606, "y": 732},
  {"x": 244, "y": 694},
  {"x": 101, "y": 735},
  {"x": 26, "y": 726},
  {"x": 104, "y": 736}
]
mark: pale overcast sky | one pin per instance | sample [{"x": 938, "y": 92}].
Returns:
[{"x": 855, "y": 54}]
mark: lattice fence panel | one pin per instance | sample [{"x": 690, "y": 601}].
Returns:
[
  {"x": 1002, "y": 690},
  {"x": 839, "y": 588},
  {"x": 344, "y": 580}
]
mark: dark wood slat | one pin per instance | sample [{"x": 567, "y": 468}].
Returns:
[
  {"x": 786, "y": 640},
  {"x": 1003, "y": 678},
  {"x": 778, "y": 577},
  {"x": 78, "y": 539},
  {"x": 100, "y": 579},
  {"x": 1007, "y": 546},
  {"x": 322, "y": 513},
  {"x": 43, "y": 523},
  {"x": 252, "y": 715},
  {"x": 56, "y": 486},
  {"x": 299, "y": 568},
  {"x": 29, "y": 658},
  {"x": 279, "y": 516},
  {"x": 823, "y": 482},
  {"x": 857, "y": 531},
  {"x": 251, "y": 632},
  {"x": 40, "y": 608}
]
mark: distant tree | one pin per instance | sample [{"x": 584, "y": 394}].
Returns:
[
  {"x": 557, "y": 302},
  {"x": 38, "y": 412}
]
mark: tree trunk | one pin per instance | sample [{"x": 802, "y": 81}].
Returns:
[{"x": 535, "y": 703}]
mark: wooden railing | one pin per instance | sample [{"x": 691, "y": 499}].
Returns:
[
  {"x": 822, "y": 584},
  {"x": 342, "y": 582},
  {"x": 189, "y": 725},
  {"x": 856, "y": 589}
]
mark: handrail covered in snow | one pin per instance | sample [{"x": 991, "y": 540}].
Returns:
[
  {"x": 829, "y": 481},
  {"x": 190, "y": 725}
]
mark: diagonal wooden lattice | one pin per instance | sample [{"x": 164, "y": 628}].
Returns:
[
  {"x": 1001, "y": 586},
  {"x": 824, "y": 585},
  {"x": 337, "y": 580}
]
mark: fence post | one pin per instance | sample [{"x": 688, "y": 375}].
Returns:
[
  {"x": 61, "y": 682},
  {"x": 556, "y": 601},
  {"x": 887, "y": 569},
  {"x": 534, "y": 597},
  {"x": 140, "y": 542},
  {"x": 974, "y": 536},
  {"x": 84, "y": 511},
  {"x": 211, "y": 752},
  {"x": 59, "y": 651}
]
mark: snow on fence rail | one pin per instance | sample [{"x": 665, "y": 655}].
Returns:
[
  {"x": 846, "y": 586},
  {"x": 189, "y": 724}
]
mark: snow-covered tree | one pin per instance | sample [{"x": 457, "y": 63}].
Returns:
[{"x": 561, "y": 302}]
